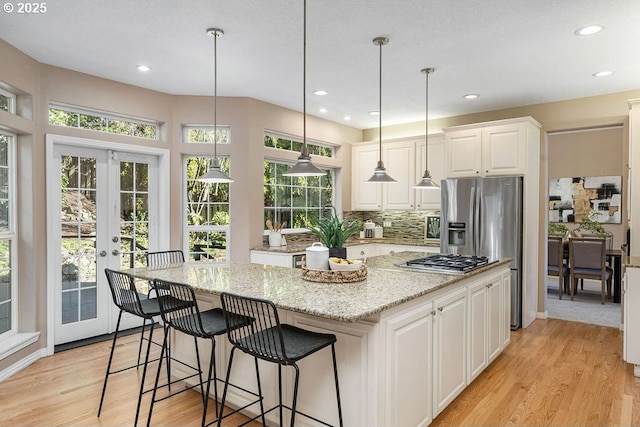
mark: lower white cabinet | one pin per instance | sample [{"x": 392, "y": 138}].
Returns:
[
  {"x": 631, "y": 302},
  {"x": 449, "y": 348},
  {"x": 281, "y": 259}
]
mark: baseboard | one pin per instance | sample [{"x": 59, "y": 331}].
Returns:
[
  {"x": 542, "y": 314},
  {"x": 22, "y": 364}
]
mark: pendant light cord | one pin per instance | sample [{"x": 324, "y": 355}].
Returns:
[
  {"x": 426, "y": 121},
  {"x": 304, "y": 79},
  {"x": 215, "y": 94},
  {"x": 380, "y": 106}
]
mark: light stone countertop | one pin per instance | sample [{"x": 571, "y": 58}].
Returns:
[{"x": 386, "y": 285}]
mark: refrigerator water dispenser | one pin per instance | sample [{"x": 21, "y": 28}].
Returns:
[{"x": 457, "y": 231}]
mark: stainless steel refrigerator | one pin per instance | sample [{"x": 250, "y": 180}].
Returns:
[{"x": 483, "y": 216}]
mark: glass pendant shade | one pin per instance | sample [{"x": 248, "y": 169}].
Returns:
[
  {"x": 426, "y": 182},
  {"x": 214, "y": 173},
  {"x": 380, "y": 173},
  {"x": 303, "y": 166}
]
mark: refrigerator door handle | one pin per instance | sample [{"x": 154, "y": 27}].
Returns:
[{"x": 475, "y": 198}]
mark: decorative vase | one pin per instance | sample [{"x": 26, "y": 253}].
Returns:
[
  {"x": 338, "y": 252},
  {"x": 275, "y": 239}
]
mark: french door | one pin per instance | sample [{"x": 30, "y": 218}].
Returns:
[{"x": 103, "y": 211}]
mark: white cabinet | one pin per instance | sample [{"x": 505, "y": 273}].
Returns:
[
  {"x": 430, "y": 199},
  {"x": 486, "y": 323},
  {"x": 368, "y": 250},
  {"x": 281, "y": 259},
  {"x": 364, "y": 195},
  {"x": 450, "y": 348},
  {"x": 489, "y": 149},
  {"x": 631, "y": 302},
  {"x": 399, "y": 160},
  {"x": 407, "y": 367}
]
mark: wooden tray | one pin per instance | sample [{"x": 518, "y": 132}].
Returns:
[{"x": 334, "y": 276}]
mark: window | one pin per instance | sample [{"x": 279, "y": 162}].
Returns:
[
  {"x": 8, "y": 283},
  {"x": 7, "y": 102},
  {"x": 207, "y": 211},
  {"x": 204, "y": 134},
  {"x": 298, "y": 201},
  {"x": 63, "y": 115},
  {"x": 283, "y": 143}
]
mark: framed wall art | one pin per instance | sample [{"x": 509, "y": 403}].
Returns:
[{"x": 596, "y": 197}]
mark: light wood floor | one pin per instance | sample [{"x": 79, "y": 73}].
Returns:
[{"x": 554, "y": 373}]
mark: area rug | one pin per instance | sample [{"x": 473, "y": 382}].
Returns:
[{"x": 586, "y": 306}]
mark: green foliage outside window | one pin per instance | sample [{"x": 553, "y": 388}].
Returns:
[
  {"x": 102, "y": 123},
  {"x": 293, "y": 145}
]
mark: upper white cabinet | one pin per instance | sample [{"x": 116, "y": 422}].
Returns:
[
  {"x": 399, "y": 159},
  {"x": 490, "y": 149},
  {"x": 430, "y": 199}
]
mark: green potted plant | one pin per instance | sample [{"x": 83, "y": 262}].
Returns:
[
  {"x": 557, "y": 229},
  {"x": 589, "y": 226},
  {"x": 333, "y": 232}
]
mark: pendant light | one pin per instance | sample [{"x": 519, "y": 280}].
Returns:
[
  {"x": 303, "y": 166},
  {"x": 426, "y": 182},
  {"x": 380, "y": 173},
  {"x": 215, "y": 174}
]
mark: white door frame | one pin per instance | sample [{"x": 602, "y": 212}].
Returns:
[{"x": 51, "y": 186}]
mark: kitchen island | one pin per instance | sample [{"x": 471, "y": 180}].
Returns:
[{"x": 408, "y": 342}]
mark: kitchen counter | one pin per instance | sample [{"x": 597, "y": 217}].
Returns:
[
  {"x": 399, "y": 333},
  {"x": 386, "y": 285}
]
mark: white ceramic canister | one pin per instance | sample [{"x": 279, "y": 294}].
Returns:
[{"x": 317, "y": 257}]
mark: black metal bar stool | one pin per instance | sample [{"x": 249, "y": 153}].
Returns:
[
  {"x": 174, "y": 256},
  {"x": 126, "y": 298},
  {"x": 180, "y": 311},
  {"x": 267, "y": 339}
]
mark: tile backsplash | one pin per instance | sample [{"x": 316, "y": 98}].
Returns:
[{"x": 404, "y": 224}]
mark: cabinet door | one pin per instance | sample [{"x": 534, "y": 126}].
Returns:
[
  {"x": 495, "y": 317},
  {"x": 478, "y": 328},
  {"x": 631, "y": 338},
  {"x": 399, "y": 159},
  {"x": 407, "y": 375},
  {"x": 365, "y": 196},
  {"x": 430, "y": 199},
  {"x": 504, "y": 149},
  {"x": 463, "y": 150},
  {"x": 450, "y": 348}
]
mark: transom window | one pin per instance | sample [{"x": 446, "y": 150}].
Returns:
[
  {"x": 298, "y": 201},
  {"x": 207, "y": 211},
  {"x": 64, "y": 115},
  {"x": 8, "y": 284},
  {"x": 289, "y": 144},
  {"x": 7, "y": 101},
  {"x": 199, "y": 134}
]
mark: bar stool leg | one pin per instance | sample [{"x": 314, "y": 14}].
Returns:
[
  {"x": 264, "y": 422},
  {"x": 144, "y": 373},
  {"x": 106, "y": 376},
  {"x": 335, "y": 374},
  {"x": 295, "y": 395},
  {"x": 155, "y": 385},
  {"x": 212, "y": 369},
  {"x": 226, "y": 386}
]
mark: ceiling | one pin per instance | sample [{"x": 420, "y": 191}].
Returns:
[{"x": 510, "y": 52}]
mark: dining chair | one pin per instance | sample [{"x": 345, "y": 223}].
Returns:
[
  {"x": 267, "y": 339},
  {"x": 556, "y": 265},
  {"x": 587, "y": 260}
]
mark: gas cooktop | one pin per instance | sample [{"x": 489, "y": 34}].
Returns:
[{"x": 448, "y": 264}]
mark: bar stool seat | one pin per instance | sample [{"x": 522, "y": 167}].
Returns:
[{"x": 267, "y": 339}]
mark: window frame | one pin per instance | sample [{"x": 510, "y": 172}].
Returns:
[
  {"x": 11, "y": 97},
  {"x": 187, "y": 229},
  {"x": 11, "y": 234},
  {"x": 299, "y": 140},
  {"x": 206, "y": 128},
  {"x": 104, "y": 115}
]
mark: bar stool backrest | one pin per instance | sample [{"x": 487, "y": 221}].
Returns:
[
  {"x": 124, "y": 292},
  {"x": 175, "y": 256},
  {"x": 179, "y": 308},
  {"x": 262, "y": 338}
]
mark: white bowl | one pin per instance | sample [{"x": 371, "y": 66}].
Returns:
[{"x": 355, "y": 265}]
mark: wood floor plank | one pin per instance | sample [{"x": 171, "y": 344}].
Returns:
[{"x": 554, "y": 373}]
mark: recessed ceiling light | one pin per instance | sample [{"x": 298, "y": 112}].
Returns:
[
  {"x": 347, "y": 117},
  {"x": 471, "y": 96},
  {"x": 374, "y": 113},
  {"x": 323, "y": 110},
  {"x": 588, "y": 30},
  {"x": 143, "y": 68},
  {"x": 603, "y": 73},
  {"x": 320, "y": 92}
]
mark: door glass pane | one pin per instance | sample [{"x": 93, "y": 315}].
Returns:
[
  {"x": 5, "y": 286},
  {"x": 78, "y": 239},
  {"x": 134, "y": 214}
]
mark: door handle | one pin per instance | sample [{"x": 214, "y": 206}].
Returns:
[
  {"x": 115, "y": 252},
  {"x": 102, "y": 253}
]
